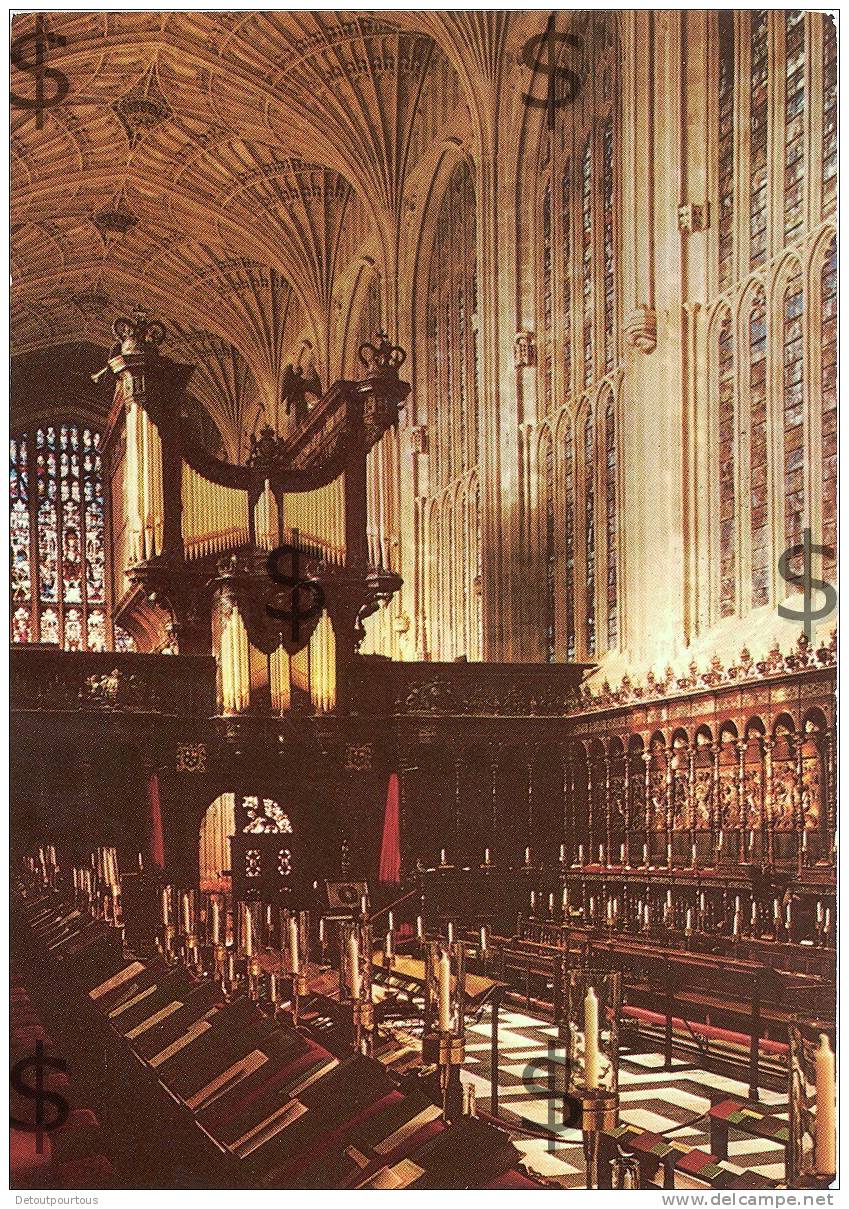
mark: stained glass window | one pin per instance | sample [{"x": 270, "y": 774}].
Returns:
[
  {"x": 566, "y": 243},
  {"x": 612, "y": 526},
  {"x": 725, "y": 144},
  {"x": 794, "y": 439},
  {"x": 609, "y": 264},
  {"x": 794, "y": 123},
  {"x": 759, "y": 116},
  {"x": 124, "y": 641},
  {"x": 589, "y": 532},
  {"x": 829, "y": 404},
  {"x": 550, "y": 554},
  {"x": 829, "y": 120},
  {"x": 587, "y": 258},
  {"x": 758, "y": 489},
  {"x": 547, "y": 300},
  {"x": 57, "y": 538},
  {"x": 569, "y": 473},
  {"x": 727, "y": 469}
]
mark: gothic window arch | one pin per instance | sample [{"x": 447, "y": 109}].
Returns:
[
  {"x": 57, "y": 557},
  {"x": 547, "y": 512},
  {"x": 828, "y": 401},
  {"x": 792, "y": 408},
  {"x": 589, "y": 533},
  {"x": 569, "y": 534},
  {"x": 611, "y": 514},
  {"x": 759, "y": 528},
  {"x": 829, "y": 119},
  {"x": 453, "y": 409},
  {"x": 728, "y": 467}
]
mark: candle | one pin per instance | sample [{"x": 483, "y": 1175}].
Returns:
[
  {"x": 388, "y": 950},
  {"x": 819, "y": 912},
  {"x": 591, "y": 1054},
  {"x": 533, "y": 900},
  {"x": 562, "y": 853},
  {"x": 527, "y": 856},
  {"x": 609, "y": 913},
  {"x": 669, "y": 855},
  {"x": 601, "y": 854},
  {"x": 787, "y": 918},
  {"x": 51, "y": 855},
  {"x": 187, "y": 913},
  {"x": 419, "y": 927},
  {"x": 592, "y": 908},
  {"x": 669, "y": 900},
  {"x": 450, "y": 933},
  {"x": 565, "y": 898},
  {"x": 141, "y": 864},
  {"x": 390, "y": 922},
  {"x": 354, "y": 963},
  {"x": 231, "y": 966},
  {"x": 754, "y": 913},
  {"x": 720, "y": 841},
  {"x": 688, "y": 926},
  {"x": 804, "y": 841},
  {"x": 486, "y": 856},
  {"x": 215, "y": 922},
  {"x": 248, "y": 933},
  {"x": 321, "y": 931},
  {"x": 825, "y": 1136},
  {"x": 273, "y": 991},
  {"x": 483, "y": 938},
  {"x": 645, "y": 855},
  {"x": 827, "y": 924},
  {"x": 693, "y": 856},
  {"x": 294, "y": 963},
  {"x": 621, "y": 854},
  {"x": 444, "y": 993},
  {"x": 776, "y": 910},
  {"x": 580, "y": 854},
  {"x": 363, "y": 906},
  {"x": 442, "y": 856},
  {"x": 551, "y": 904},
  {"x": 702, "y": 902}
]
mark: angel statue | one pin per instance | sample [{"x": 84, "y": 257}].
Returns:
[{"x": 297, "y": 383}]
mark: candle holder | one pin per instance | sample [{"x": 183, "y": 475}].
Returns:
[
  {"x": 812, "y": 1154},
  {"x": 355, "y": 969},
  {"x": 443, "y": 1039},
  {"x": 294, "y": 937},
  {"x": 590, "y": 1035}
]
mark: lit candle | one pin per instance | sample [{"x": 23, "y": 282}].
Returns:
[
  {"x": 294, "y": 962},
  {"x": 51, "y": 855},
  {"x": 442, "y": 856},
  {"x": 527, "y": 856},
  {"x": 787, "y": 918},
  {"x": 804, "y": 841},
  {"x": 444, "y": 993},
  {"x": 776, "y": 910},
  {"x": 533, "y": 900},
  {"x": 450, "y": 933},
  {"x": 187, "y": 913},
  {"x": 354, "y": 964},
  {"x": 215, "y": 921},
  {"x": 551, "y": 904},
  {"x": 419, "y": 927},
  {"x": 825, "y": 1136},
  {"x": 592, "y": 908},
  {"x": 591, "y": 1054},
  {"x": 483, "y": 938},
  {"x": 819, "y": 913},
  {"x": 248, "y": 933},
  {"x": 486, "y": 856},
  {"x": 273, "y": 991},
  {"x": 390, "y": 922},
  {"x": 75, "y": 877},
  {"x": 669, "y": 900},
  {"x": 609, "y": 913},
  {"x": 827, "y": 924}
]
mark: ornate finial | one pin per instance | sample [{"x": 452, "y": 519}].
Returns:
[
  {"x": 135, "y": 335},
  {"x": 382, "y": 359},
  {"x": 264, "y": 448}
]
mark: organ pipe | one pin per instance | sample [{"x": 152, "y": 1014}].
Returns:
[
  {"x": 319, "y": 517},
  {"x": 281, "y": 689},
  {"x": 265, "y": 519},
  {"x": 234, "y": 660},
  {"x": 322, "y": 666},
  {"x": 143, "y": 485},
  {"x": 214, "y": 516}
]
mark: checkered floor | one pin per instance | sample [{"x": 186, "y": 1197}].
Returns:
[{"x": 650, "y": 1097}]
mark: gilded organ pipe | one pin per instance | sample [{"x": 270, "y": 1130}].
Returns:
[
  {"x": 214, "y": 517},
  {"x": 143, "y": 485},
  {"x": 319, "y": 517}
]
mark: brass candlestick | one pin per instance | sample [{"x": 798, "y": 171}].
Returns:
[{"x": 443, "y": 1039}]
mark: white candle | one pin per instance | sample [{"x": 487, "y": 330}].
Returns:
[
  {"x": 693, "y": 855},
  {"x": 390, "y": 922},
  {"x": 601, "y": 854},
  {"x": 450, "y": 933},
  {"x": 187, "y": 913},
  {"x": 591, "y": 1054},
  {"x": 419, "y": 927},
  {"x": 702, "y": 902},
  {"x": 804, "y": 841},
  {"x": 580, "y": 854},
  {"x": 364, "y": 906},
  {"x": 787, "y": 917},
  {"x": 51, "y": 854},
  {"x": 827, "y": 924},
  {"x": 551, "y": 904},
  {"x": 533, "y": 900},
  {"x": 354, "y": 964},
  {"x": 273, "y": 993},
  {"x": 527, "y": 856},
  {"x": 442, "y": 856},
  {"x": 669, "y": 854},
  {"x": 754, "y": 914},
  {"x": 388, "y": 948},
  {"x": 609, "y": 912},
  {"x": 215, "y": 921},
  {"x": 486, "y": 856},
  {"x": 720, "y": 841},
  {"x": 776, "y": 910},
  {"x": 321, "y": 930},
  {"x": 669, "y": 900},
  {"x": 565, "y": 898},
  {"x": 819, "y": 912},
  {"x": 562, "y": 853},
  {"x": 141, "y": 864},
  {"x": 294, "y": 959},
  {"x": 483, "y": 938},
  {"x": 621, "y": 854},
  {"x": 248, "y": 935},
  {"x": 645, "y": 855},
  {"x": 75, "y": 877},
  {"x": 825, "y": 1136},
  {"x": 444, "y": 993},
  {"x": 592, "y": 908},
  {"x": 688, "y": 926}
]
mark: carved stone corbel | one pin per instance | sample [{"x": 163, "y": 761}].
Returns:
[{"x": 641, "y": 329}]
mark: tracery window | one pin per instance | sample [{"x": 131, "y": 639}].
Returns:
[
  {"x": 828, "y": 387},
  {"x": 587, "y": 258},
  {"x": 758, "y": 484},
  {"x": 793, "y": 419},
  {"x": 453, "y": 410},
  {"x": 829, "y": 120},
  {"x": 589, "y": 533},
  {"x": 612, "y": 522},
  {"x": 794, "y": 122},
  {"x": 727, "y": 469},
  {"x": 550, "y": 553},
  {"x": 759, "y": 117},
  {"x": 57, "y": 538},
  {"x": 569, "y": 475},
  {"x": 725, "y": 144}
]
